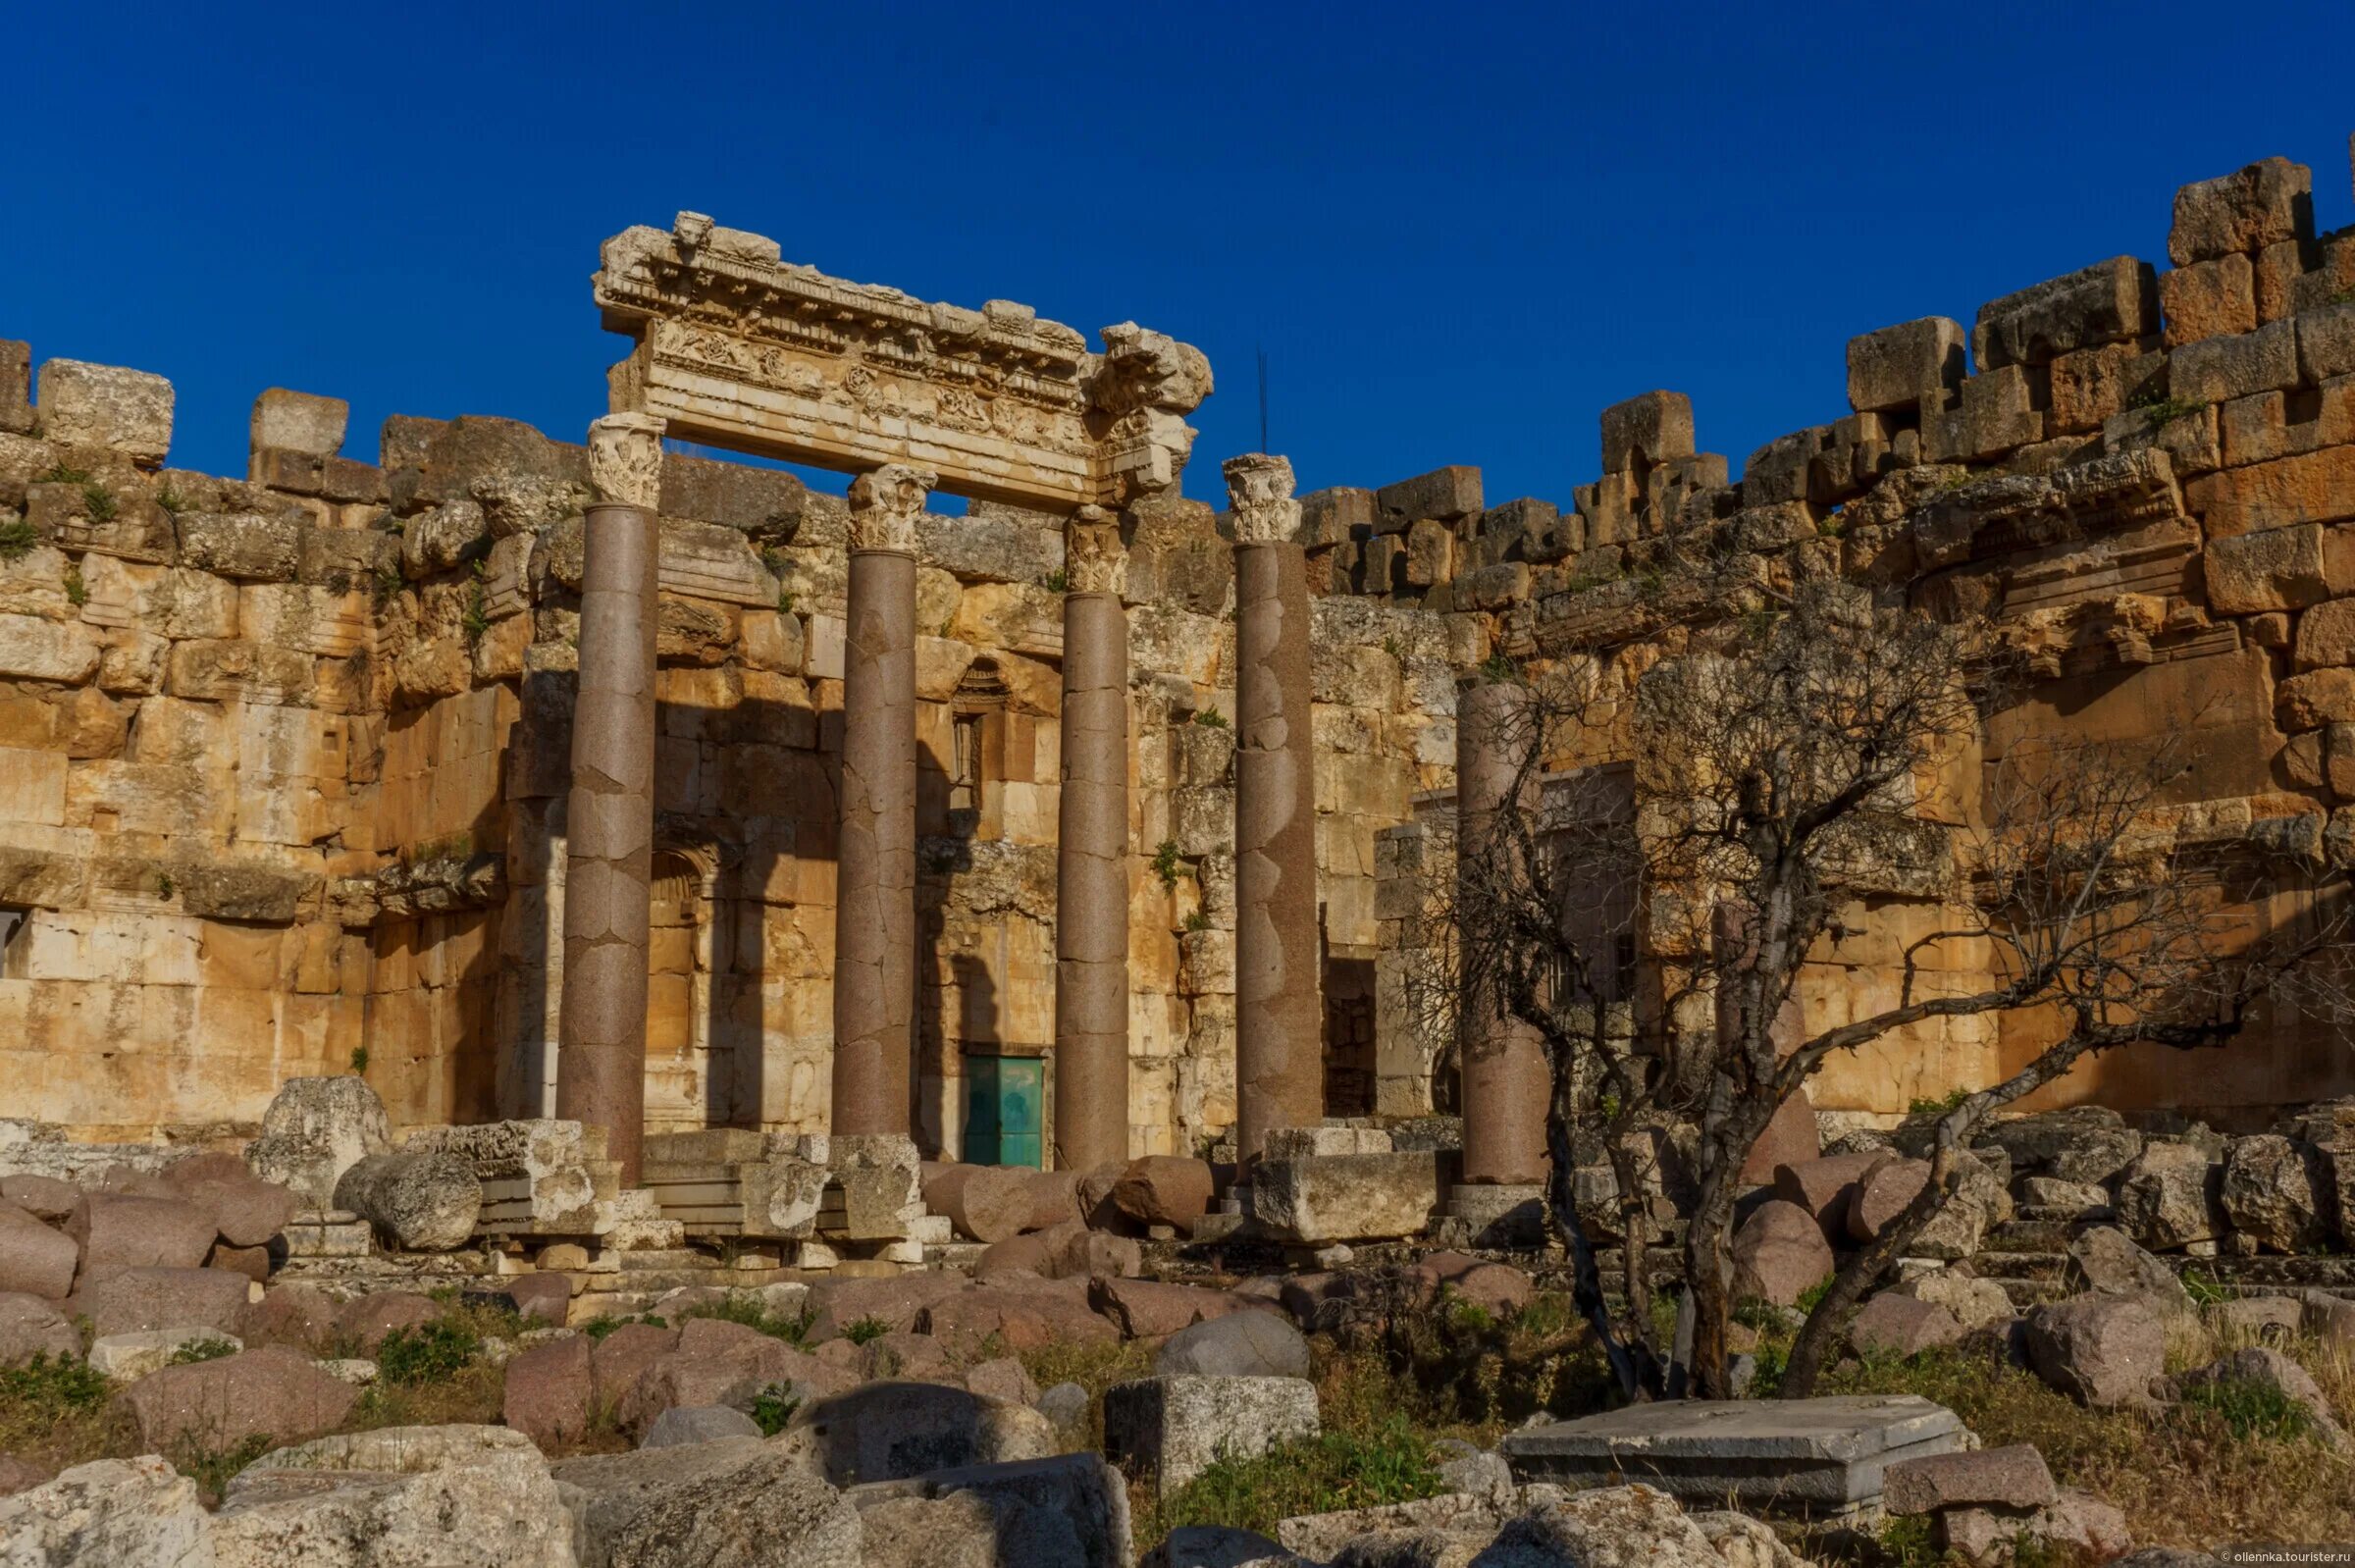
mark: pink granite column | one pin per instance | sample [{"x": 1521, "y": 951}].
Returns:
[
  {"x": 1278, "y": 1055},
  {"x": 609, "y": 817},
  {"x": 874, "y": 907},
  {"x": 1505, "y": 1083},
  {"x": 1091, "y": 862}
]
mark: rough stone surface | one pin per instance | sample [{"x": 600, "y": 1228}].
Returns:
[
  {"x": 129, "y": 1357},
  {"x": 1347, "y": 1197},
  {"x": 1174, "y": 1424},
  {"x": 1778, "y": 1253},
  {"x": 2011, "y": 1477},
  {"x": 1902, "y": 1326},
  {"x": 112, "y": 1513},
  {"x": 30, "y": 1326},
  {"x": 2167, "y": 1198},
  {"x": 892, "y": 1430},
  {"x": 314, "y": 1130},
  {"x": 417, "y": 1202},
  {"x": 34, "y": 1259},
  {"x": 456, "y": 1496},
  {"x": 683, "y": 1424},
  {"x": 2269, "y": 1193},
  {"x": 115, "y": 1230},
  {"x": 128, "y": 412},
  {"x": 1242, "y": 1344},
  {"x": 1165, "y": 1189},
  {"x": 137, "y": 1300},
  {"x": 770, "y": 1512},
  {"x": 2270, "y": 1368},
  {"x": 2101, "y": 1350},
  {"x": 1071, "y": 1511},
  {"x": 272, "y": 1392},
  {"x": 2104, "y": 1260}
]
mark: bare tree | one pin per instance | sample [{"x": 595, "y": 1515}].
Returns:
[{"x": 1784, "y": 764}]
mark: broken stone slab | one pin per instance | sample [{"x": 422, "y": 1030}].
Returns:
[
  {"x": 1452, "y": 1517},
  {"x": 2090, "y": 1528},
  {"x": 1177, "y": 1425},
  {"x": 1347, "y": 1197},
  {"x": 2011, "y": 1477},
  {"x": 316, "y": 1129},
  {"x": 1240, "y": 1345},
  {"x": 2099, "y": 1350},
  {"x": 129, "y": 1357},
  {"x": 536, "y": 1174},
  {"x": 110, "y": 1511},
  {"x": 1818, "y": 1456}
]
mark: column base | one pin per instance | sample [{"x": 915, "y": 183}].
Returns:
[{"x": 1498, "y": 1214}]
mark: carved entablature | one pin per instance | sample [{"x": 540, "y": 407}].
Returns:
[
  {"x": 2032, "y": 511},
  {"x": 739, "y": 349}
]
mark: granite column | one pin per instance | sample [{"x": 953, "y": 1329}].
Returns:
[
  {"x": 1091, "y": 862},
  {"x": 1506, "y": 1083},
  {"x": 610, "y": 815},
  {"x": 1279, "y": 1065},
  {"x": 874, "y": 913}
]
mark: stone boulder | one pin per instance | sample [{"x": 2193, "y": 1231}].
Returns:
[
  {"x": 34, "y": 1259},
  {"x": 457, "y": 1497},
  {"x": 129, "y": 1357},
  {"x": 245, "y": 1210},
  {"x": 985, "y": 1202},
  {"x": 2100, "y": 1350},
  {"x": 2077, "y": 1524},
  {"x": 893, "y": 1431},
  {"x": 1017, "y": 1313},
  {"x": 550, "y": 1390},
  {"x": 1975, "y": 1303},
  {"x": 114, "y": 1513},
  {"x": 720, "y": 1362},
  {"x": 2271, "y": 1368},
  {"x": 273, "y": 1392},
  {"x": 1779, "y": 1253},
  {"x": 134, "y": 1300},
  {"x": 684, "y": 1424},
  {"x": 1890, "y": 1325},
  {"x": 1066, "y": 1250},
  {"x": 371, "y": 1317},
  {"x": 1213, "y": 1546},
  {"x": 622, "y": 1358},
  {"x": 1004, "y": 1379},
  {"x": 897, "y": 1302},
  {"x": 770, "y": 1511},
  {"x": 1071, "y": 1511},
  {"x": 30, "y": 1326},
  {"x": 2052, "y": 1197},
  {"x": 314, "y": 1129},
  {"x": 2259, "y": 1317},
  {"x": 2012, "y": 1476},
  {"x": 2169, "y": 1196},
  {"x": 46, "y": 1198},
  {"x": 2104, "y": 1260},
  {"x": 1175, "y": 1425},
  {"x": 2082, "y": 1143},
  {"x": 1165, "y": 1190},
  {"x": 2270, "y": 1195},
  {"x": 414, "y": 1202},
  {"x": 115, "y": 1231},
  {"x": 1241, "y": 1344},
  {"x": 1605, "y": 1527},
  {"x": 1144, "y": 1309},
  {"x": 605, "y": 1490},
  {"x": 1497, "y": 1288},
  {"x": 299, "y": 1315},
  {"x": 1826, "y": 1188}
]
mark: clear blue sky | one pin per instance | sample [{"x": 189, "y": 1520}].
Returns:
[{"x": 1458, "y": 231}]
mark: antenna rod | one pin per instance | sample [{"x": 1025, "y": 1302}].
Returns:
[{"x": 1263, "y": 399}]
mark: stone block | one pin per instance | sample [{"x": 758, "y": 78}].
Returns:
[
  {"x": 1995, "y": 413},
  {"x": 1821, "y": 1456},
  {"x": 1350, "y": 1197},
  {"x": 2011, "y": 1477},
  {"x": 1914, "y": 364},
  {"x": 2279, "y": 568},
  {"x": 1651, "y": 428},
  {"x": 1778, "y": 471},
  {"x": 2326, "y": 342},
  {"x": 2093, "y": 384},
  {"x": 2317, "y": 487},
  {"x": 1177, "y": 1426},
  {"x": 247, "y": 546},
  {"x": 2110, "y": 301},
  {"x": 2221, "y": 368},
  {"x": 299, "y": 422},
  {"x": 1336, "y": 516},
  {"x": 766, "y": 505},
  {"x": 1779, "y": 1253},
  {"x": 2100, "y": 1350},
  {"x": 15, "y": 387},
  {"x": 1237, "y": 1344},
  {"x": 34, "y": 1259},
  {"x": 1441, "y": 496},
  {"x": 126, "y": 411},
  {"x": 136, "y": 1300},
  {"x": 129, "y": 1357},
  {"x": 2245, "y": 211},
  {"x": 2208, "y": 299}
]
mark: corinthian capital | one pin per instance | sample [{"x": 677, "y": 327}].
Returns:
[
  {"x": 1259, "y": 491},
  {"x": 625, "y": 459},
  {"x": 1093, "y": 561},
  {"x": 886, "y": 503}
]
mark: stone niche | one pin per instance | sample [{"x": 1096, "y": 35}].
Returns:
[{"x": 741, "y": 349}]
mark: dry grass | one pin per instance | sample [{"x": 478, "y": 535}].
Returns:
[
  {"x": 2184, "y": 1478},
  {"x": 56, "y": 1414}
]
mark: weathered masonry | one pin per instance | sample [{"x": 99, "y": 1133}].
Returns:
[{"x": 667, "y": 792}]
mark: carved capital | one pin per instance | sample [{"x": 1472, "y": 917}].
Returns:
[
  {"x": 886, "y": 503},
  {"x": 1093, "y": 560},
  {"x": 1259, "y": 491},
  {"x": 625, "y": 459}
]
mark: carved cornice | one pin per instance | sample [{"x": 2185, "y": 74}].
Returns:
[
  {"x": 1259, "y": 491},
  {"x": 742, "y": 348},
  {"x": 625, "y": 459},
  {"x": 885, "y": 504},
  {"x": 1093, "y": 559}
]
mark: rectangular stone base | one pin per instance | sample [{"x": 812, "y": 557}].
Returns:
[
  {"x": 1500, "y": 1216},
  {"x": 1814, "y": 1457}
]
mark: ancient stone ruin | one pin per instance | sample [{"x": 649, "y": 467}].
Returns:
[{"x": 611, "y": 875}]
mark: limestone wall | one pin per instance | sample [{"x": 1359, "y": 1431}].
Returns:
[{"x": 283, "y": 759}]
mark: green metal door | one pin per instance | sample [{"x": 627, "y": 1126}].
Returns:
[{"x": 1004, "y": 1097}]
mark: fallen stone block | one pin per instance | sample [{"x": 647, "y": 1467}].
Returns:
[
  {"x": 1455, "y": 1523},
  {"x": 1177, "y": 1425},
  {"x": 136, "y": 1300},
  {"x": 894, "y": 1430},
  {"x": 684, "y": 1424},
  {"x": 1626, "y": 1524},
  {"x": 1986, "y": 1538},
  {"x": 119, "y": 1232},
  {"x": 1241, "y": 1344},
  {"x": 2268, "y": 1367},
  {"x": 314, "y": 1129},
  {"x": 458, "y": 1496},
  {"x": 1018, "y": 1313},
  {"x": 1779, "y": 1253},
  {"x": 245, "y": 1210},
  {"x": 271, "y": 1393},
  {"x": 369, "y": 1319},
  {"x": 34, "y": 1259},
  {"x": 129, "y": 1357},
  {"x": 1071, "y": 1511},
  {"x": 1892, "y": 1324},
  {"x": 1821, "y": 1456},
  {"x": 421, "y": 1202},
  {"x": 1146, "y": 1309},
  {"x": 113, "y": 1511},
  {"x": 1350, "y": 1197},
  {"x": 32, "y": 1327},
  {"x": 1165, "y": 1190},
  {"x": 2100, "y": 1350},
  {"x": 2270, "y": 1195},
  {"x": 607, "y": 1491},
  {"x": 1826, "y": 1188},
  {"x": 2012, "y": 1476},
  {"x": 550, "y": 1390}
]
